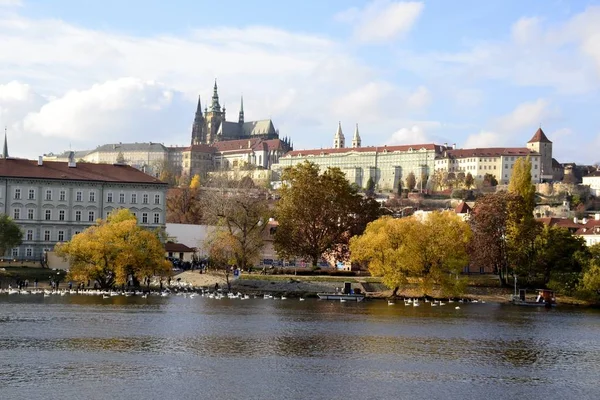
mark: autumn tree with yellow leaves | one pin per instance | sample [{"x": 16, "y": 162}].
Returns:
[
  {"x": 429, "y": 252},
  {"x": 114, "y": 250}
]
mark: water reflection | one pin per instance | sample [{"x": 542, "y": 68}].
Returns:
[{"x": 176, "y": 347}]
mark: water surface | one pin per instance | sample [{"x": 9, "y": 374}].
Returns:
[{"x": 85, "y": 347}]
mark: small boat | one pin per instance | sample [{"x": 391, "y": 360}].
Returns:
[{"x": 544, "y": 298}]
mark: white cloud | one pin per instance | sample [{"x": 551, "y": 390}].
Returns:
[
  {"x": 540, "y": 53},
  {"x": 10, "y": 3},
  {"x": 525, "y": 115},
  {"x": 420, "y": 98},
  {"x": 484, "y": 139},
  {"x": 105, "y": 110},
  {"x": 382, "y": 20},
  {"x": 412, "y": 135}
]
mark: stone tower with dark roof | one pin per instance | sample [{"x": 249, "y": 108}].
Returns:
[
  {"x": 542, "y": 145},
  {"x": 213, "y": 127}
]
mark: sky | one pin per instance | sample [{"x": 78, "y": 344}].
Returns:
[{"x": 76, "y": 74}]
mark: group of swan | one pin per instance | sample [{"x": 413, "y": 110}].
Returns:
[{"x": 435, "y": 303}]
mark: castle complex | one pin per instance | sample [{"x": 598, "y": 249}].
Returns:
[
  {"x": 216, "y": 144},
  {"x": 220, "y": 145},
  {"x": 388, "y": 166}
]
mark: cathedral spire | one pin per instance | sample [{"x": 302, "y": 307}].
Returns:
[
  {"x": 338, "y": 139},
  {"x": 198, "y": 126},
  {"x": 356, "y": 138},
  {"x": 241, "y": 118},
  {"x": 215, "y": 106},
  {"x": 5, "y": 150}
]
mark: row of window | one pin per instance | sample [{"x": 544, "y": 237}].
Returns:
[
  {"x": 91, "y": 215},
  {"x": 62, "y": 196},
  {"x": 47, "y": 235}
]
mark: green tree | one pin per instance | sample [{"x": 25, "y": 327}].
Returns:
[
  {"x": 434, "y": 251},
  {"x": 114, "y": 250},
  {"x": 411, "y": 182},
  {"x": 490, "y": 180},
  {"x": 10, "y": 234},
  {"x": 370, "y": 189},
  {"x": 522, "y": 228},
  {"x": 469, "y": 181},
  {"x": 315, "y": 211},
  {"x": 560, "y": 258}
]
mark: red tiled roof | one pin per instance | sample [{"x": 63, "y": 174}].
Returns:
[
  {"x": 231, "y": 145},
  {"x": 177, "y": 248},
  {"x": 201, "y": 148},
  {"x": 379, "y": 149},
  {"x": 490, "y": 152},
  {"x": 592, "y": 227},
  {"x": 539, "y": 136},
  {"x": 20, "y": 168},
  {"x": 593, "y": 173},
  {"x": 462, "y": 208}
]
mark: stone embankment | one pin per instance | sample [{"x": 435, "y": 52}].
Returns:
[{"x": 292, "y": 286}]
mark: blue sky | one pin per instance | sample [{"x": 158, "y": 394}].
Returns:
[{"x": 78, "y": 74}]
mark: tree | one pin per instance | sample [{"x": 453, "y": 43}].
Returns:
[
  {"x": 315, "y": 211},
  {"x": 469, "y": 181},
  {"x": 195, "y": 182},
  {"x": 370, "y": 189},
  {"x": 184, "y": 206},
  {"x": 489, "y": 180},
  {"x": 10, "y": 234},
  {"x": 489, "y": 223},
  {"x": 434, "y": 251},
  {"x": 560, "y": 258},
  {"x": 241, "y": 217},
  {"x": 522, "y": 228},
  {"x": 399, "y": 187},
  {"x": 120, "y": 158},
  {"x": 411, "y": 181},
  {"x": 113, "y": 251}
]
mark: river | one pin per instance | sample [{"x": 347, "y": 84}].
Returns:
[{"x": 86, "y": 347}]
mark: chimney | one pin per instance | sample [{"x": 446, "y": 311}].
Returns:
[
  {"x": 597, "y": 216},
  {"x": 453, "y": 146},
  {"x": 574, "y": 220},
  {"x": 584, "y": 221},
  {"x": 40, "y": 161}
]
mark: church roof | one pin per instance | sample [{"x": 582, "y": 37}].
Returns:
[
  {"x": 19, "y": 168},
  {"x": 260, "y": 127},
  {"x": 145, "y": 147},
  {"x": 539, "y": 137},
  {"x": 488, "y": 152},
  {"x": 379, "y": 149},
  {"x": 239, "y": 144},
  {"x": 200, "y": 148},
  {"x": 229, "y": 129}
]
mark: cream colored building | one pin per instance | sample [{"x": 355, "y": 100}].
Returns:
[
  {"x": 479, "y": 162},
  {"x": 593, "y": 181},
  {"x": 387, "y": 165}
]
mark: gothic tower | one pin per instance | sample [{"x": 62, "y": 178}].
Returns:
[
  {"x": 214, "y": 117},
  {"x": 241, "y": 117},
  {"x": 542, "y": 145},
  {"x": 198, "y": 132},
  {"x": 338, "y": 139},
  {"x": 356, "y": 138}
]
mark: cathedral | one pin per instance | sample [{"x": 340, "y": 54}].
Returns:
[{"x": 210, "y": 125}]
